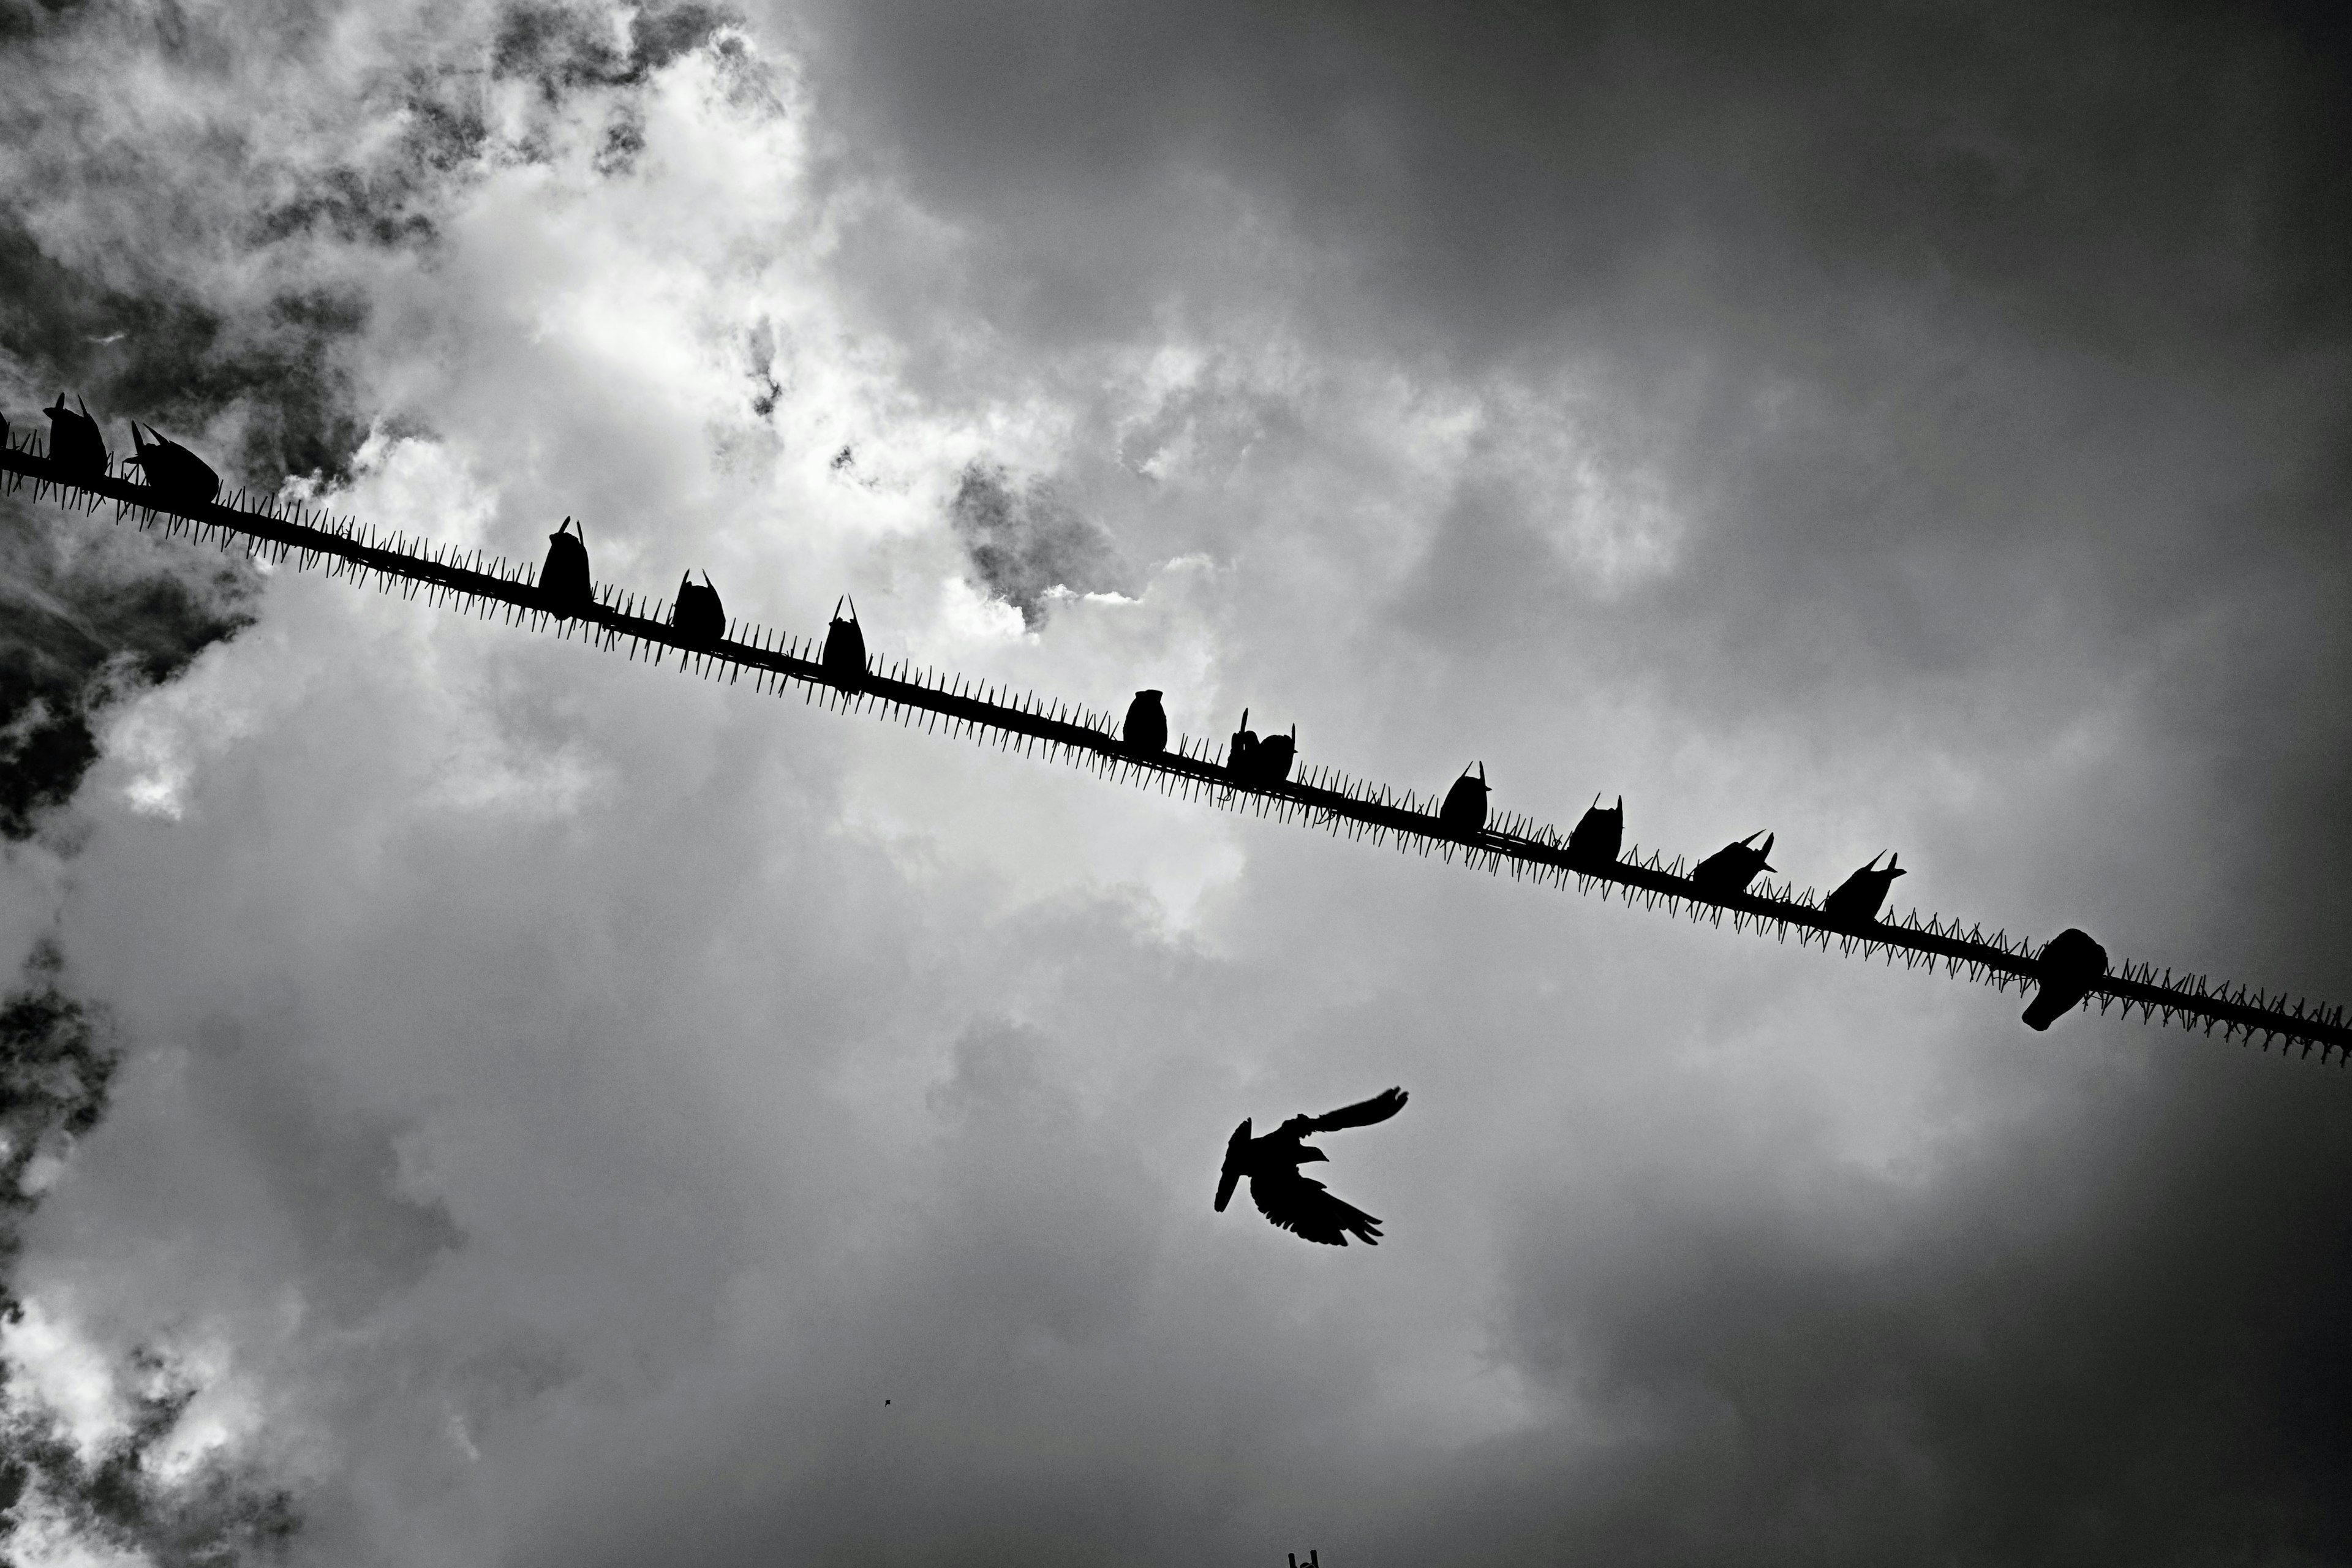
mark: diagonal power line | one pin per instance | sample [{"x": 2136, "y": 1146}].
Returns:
[{"x": 2066, "y": 972}]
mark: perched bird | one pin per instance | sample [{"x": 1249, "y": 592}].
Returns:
[
  {"x": 2069, "y": 965},
  {"x": 1464, "y": 810},
  {"x": 697, "y": 618},
  {"x": 1730, "y": 869},
  {"x": 171, "y": 468},
  {"x": 1857, "y": 898},
  {"x": 1297, "y": 1204},
  {"x": 1145, "y": 733},
  {"x": 564, "y": 589},
  {"x": 1274, "y": 755},
  {"x": 76, "y": 448},
  {"x": 845, "y": 649},
  {"x": 1599, "y": 834},
  {"x": 1241, "y": 754}
]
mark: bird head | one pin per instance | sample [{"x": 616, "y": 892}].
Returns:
[
  {"x": 1230, "y": 1177},
  {"x": 1309, "y": 1154}
]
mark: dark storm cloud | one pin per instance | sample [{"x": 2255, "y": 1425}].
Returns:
[
  {"x": 2000, "y": 356},
  {"x": 85, "y": 621},
  {"x": 111, "y": 1497},
  {"x": 83, "y": 627},
  {"x": 564, "y": 48},
  {"x": 1025, "y": 540},
  {"x": 55, "y": 1070},
  {"x": 53, "y": 1081},
  {"x": 138, "y": 342}
]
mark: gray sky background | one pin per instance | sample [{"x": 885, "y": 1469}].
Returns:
[{"x": 558, "y": 1102}]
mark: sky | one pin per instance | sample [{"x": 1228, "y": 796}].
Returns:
[{"x": 472, "y": 1099}]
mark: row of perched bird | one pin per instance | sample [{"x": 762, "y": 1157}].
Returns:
[
  {"x": 77, "y": 452},
  {"x": 699, "y": 621}
]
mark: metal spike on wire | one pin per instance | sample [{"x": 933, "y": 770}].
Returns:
[{"x": 283, "y": 531}]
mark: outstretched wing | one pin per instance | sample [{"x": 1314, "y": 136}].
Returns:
[
  {"x": 1232, "y": 1173},
  {"x": 1300, "y": 1205},
  {"x": 1363, "y": 1113}
]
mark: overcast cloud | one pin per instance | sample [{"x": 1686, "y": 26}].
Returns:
[{"x": 492, "y": 1102}]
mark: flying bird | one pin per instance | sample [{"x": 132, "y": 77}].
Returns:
[{"x": 1297, "y": 1204}]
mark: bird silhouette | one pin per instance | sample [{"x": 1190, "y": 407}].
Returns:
[
  {"x": 1730, "y": 869},
  {"x": 845, "y": 649},
  {"x": 1599, "y": 834},
  {"x": 1297, "y": 1204},
  {"x": 2069, "y": 965},
  {"x": 1857, "y": 898},
  {"x": 1241, "y": 754},
  {"x": 697, "y": 618},
  {"x": 76, "y": 445},
  {"x": 171, "y": 468},
  {"x": 1465, "y": 811},
  {"x": 1274, "y": 755},
  {"x": 564, "y": 587},
  {"x": 1145, "y": 733}
]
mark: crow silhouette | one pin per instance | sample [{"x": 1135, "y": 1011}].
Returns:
[{"x": 1297, "y": 1204}]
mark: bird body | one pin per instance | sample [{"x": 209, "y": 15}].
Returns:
[
  {"x": 1465, "y": 811},
  {"x": 1241, "y": 754},
  {"x": 697, "y": 618},
  {"x": 171, "y": 468},
  {"x": 2069, "y": 965},
  {"x": 1856, "y": 900},
  {"x": 1145, "y": 733},
  {"x": 1300, "y": 1204},
  {"x": 1274, "y": 755},
  {"x": 1599, "y": 834},
  {"x": 1730, "y": 869},
  {"x": 76, "y": 444},
  {"x": 564, "y": 587},
  {"x": 844, "y": 647}
]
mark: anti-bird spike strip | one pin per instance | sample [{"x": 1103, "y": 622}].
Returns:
[{"x": 2067, "y": 971}]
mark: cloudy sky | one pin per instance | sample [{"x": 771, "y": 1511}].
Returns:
[{"x": 475, "y": 1101}]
